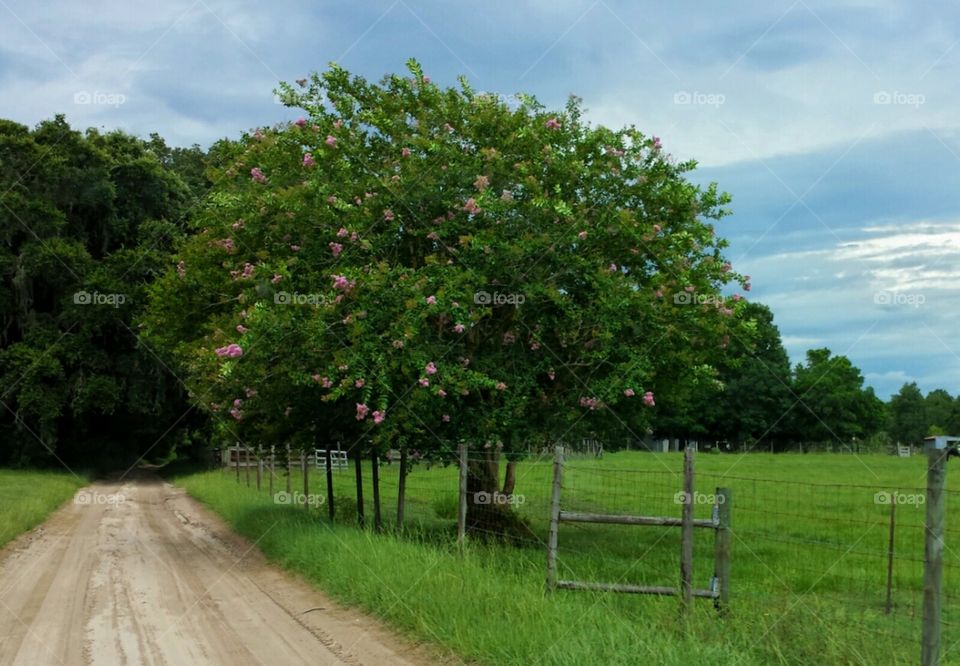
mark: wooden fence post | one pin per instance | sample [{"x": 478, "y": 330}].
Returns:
[
  {"x": 554, "y": 518},
  {"x": 462, "y": 512},
  {"x": 259, "y": 467},
  {"x": 289, "y": 480},
  {"x": 358, "y": 464},
  {"x": 273, "y": 466},
  {"x": 236, "y": 460},
  {"x": 375, "y": 480},
  {"x": 933, "y": 556},
  {"x": 304, "y": 462},
  {"x": 724, "y": 541},
  {"x": 401, "y": 488},
  {"x": 246, "y": 463},
  {"x": 331, "y": 509},
  {"x": 686, "y": 531},
  {"x": 893, "y": 531}
]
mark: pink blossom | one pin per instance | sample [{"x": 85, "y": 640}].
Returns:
[
  {"x": 737, "y": 297},
  {"x": 689, "y": 288},
  {"x": 727, "y": 267},
  {"x": 295, "y": 248},
  {"x": 232, "y": 350},
  {"x": 362, "y": 411},
  {"x": 629, "y": 393},
  {"x": 656, "y": 143},
  {"x": 237, "y": 225},
  {"x": 747, "y": 286},
  {"x": 612, "y": 268},
  {"x": 236, "y": 414},
  {"x": 326, "y": 382},
  {"x": 441, "y": 393},
  {"x": 552, "y": 375},
  {"x": 258, "y": 135},
  {"x": 342, "y": 232},
  {"x": 257, "y": 175},
  {"x": 300, "y": 122},
  {"x": 308, "y": 160},
  {"x": 431, "y": 300},
  {"x": 336, "y": 248},
  {"x": 331, "y": 141},
  {"x": 582, "y": 235},
  {"x": 446, "y": 418},
  {"x": 590, "y": 403},
  {"x": 398, "y": 344},
  {"x": 181, "y": 269},
  {"x": 388, "y": 215},
  {"x": 424, "y": 382},
  {"x": 656, "y": 228},
  {"x": 459, "y": 328},
  {"x": 331, "y": 199},
  {"x": 354, "y": 236},
  {"x": 276, "y": 278},
  {"x": 534, "y": 345},
  {"x": 471, "y": 206},
  {"x": 341, "y": 283},
  {"x": 509, "y": 338},
  {"x": 501, "y": 386},
  {"x": 648, "y": 399},
  {"x": 552, "y": 124},
  {"x": 659, "y": 293},
  {"x": 481, "y": 183},
  {"x": 378, "y": 417},
  {"x": 315, "y": 378},
  {"x": 433, "y": 235},
  {"x": 405, "y": 152},
  {"x": 238, "y": 403},
  {"x": 226, "y": 244},
  {"x": 248, "y": 269},
  {"x": 338, "y": 123},
  {"x": 431, "y": 368},
  {"x": 359, "y": 383},
  {"x": 250, "y": 392},
  {"x": 241, "y": 329}
]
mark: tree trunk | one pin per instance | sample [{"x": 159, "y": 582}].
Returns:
[{"x": 488, "y": 512}]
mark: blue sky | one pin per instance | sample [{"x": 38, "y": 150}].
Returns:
[{"x": 832, "y": 124}]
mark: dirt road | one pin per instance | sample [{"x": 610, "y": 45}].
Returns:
[{"x": 138, "y": 573}]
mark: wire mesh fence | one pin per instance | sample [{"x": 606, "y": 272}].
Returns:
[{"x": 844, "y": 554}]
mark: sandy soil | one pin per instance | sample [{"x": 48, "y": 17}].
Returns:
[{"x": 139, "y": 573}]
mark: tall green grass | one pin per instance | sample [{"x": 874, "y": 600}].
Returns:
[
  {"x": 28, "y": 497},
  {"x": 808, "y": 583}
]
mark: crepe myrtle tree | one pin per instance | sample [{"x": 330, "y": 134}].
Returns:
[{"x": 419, "y": 266}]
